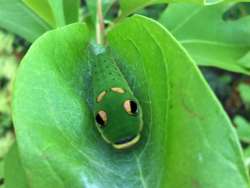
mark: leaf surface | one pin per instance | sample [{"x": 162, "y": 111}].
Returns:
[
  {"x": 42, "y": 8},
  {"x": 16, "y": 17},
  {"x": 14, "y": 175},
  {"x": 130, "y": 6},
  {"x": 65, "y": 11},
  {"x": 224, "y": 45},
  {"x": 201, "y": 148},
  {"x": 56, "y": 13}
]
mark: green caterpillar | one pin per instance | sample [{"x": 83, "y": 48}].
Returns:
[{"x": 117, "y": 112}]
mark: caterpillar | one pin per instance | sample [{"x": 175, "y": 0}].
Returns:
[{"x": 117, "y": 112}]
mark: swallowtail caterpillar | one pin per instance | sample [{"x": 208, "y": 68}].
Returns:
[{"x": 117, "y": 112}]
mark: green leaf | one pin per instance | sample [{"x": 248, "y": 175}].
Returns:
[
  {"x": 19, "y": 19},
  {"x": 180, "y": 147},
  {"x": 14, "y": 173},
  {"x": 243, "y": 128},
  {"x": 56, "y": 13},
  {"x": 71, "y": 11},
  {"x": 201, "y": 148},
  {"x": 244, "y": 90},
  {"x": 247, "y": 157},
  {"x": 42, "y": 8},
  {"x": 65, "y": 11},
  {"x": 130, "y": 6},
  {"x": 56, "y": 140},
  {"x": 209, "y": 39}
]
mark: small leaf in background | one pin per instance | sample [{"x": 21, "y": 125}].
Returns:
[
  {"x": 130, "y": 6},
  {"x": 56, "y": 13},
  {"x": 152, "y": 11},
  {"x": 42, "y": 8},
  {"x": 210, "y": 39},
  {"x": 244, "y": 61},
  {"x": 16, "y": 17},
  {"x": 14, "y": 175},
  {"x": 244, "y": 90},
  {"x": 243, "y": 128},
  {"x": 65, "y": 11},
  {"x": 71, "y": 11},
  {"x": 247, "y": 157}
]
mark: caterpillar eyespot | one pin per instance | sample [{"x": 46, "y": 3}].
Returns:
[
  {"x": 101, "y": 118},
  {"x": 130, "y": 107}
]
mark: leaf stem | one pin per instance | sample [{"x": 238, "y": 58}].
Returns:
[{"x": 99, "y": 24}]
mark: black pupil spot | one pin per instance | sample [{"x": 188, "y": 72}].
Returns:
[
  {"x": 100, "y": 121},
  {"x": 133, "y": 106}
]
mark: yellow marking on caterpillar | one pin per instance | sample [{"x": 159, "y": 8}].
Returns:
[
  {"x": 128, "y": 144},
  {"x": 100, "y": 96},
  {"x": 118, "y": 90}
]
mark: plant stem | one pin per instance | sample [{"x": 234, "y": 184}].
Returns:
[{"x": 99, "y": 24}]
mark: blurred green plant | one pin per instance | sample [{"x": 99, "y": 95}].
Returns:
[
  {"x": 243, "y": 128},
  {"x": 243, "y": 124},
  {"x": 211, "y": 39},
  {"x": 8, "y": 66},
  {"x": 247, "y": 157},
  {"x": 244, "y": 90}
]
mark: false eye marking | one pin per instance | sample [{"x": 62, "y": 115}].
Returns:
[
  {"x": 101, "y": 96},
  {"x": 118, "y": 90},
  {"x": 101, "y": 118},
  {"x": 130, "y": 107}
]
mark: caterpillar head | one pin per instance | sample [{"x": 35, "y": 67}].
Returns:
[{"x": 119, "y": 117}]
